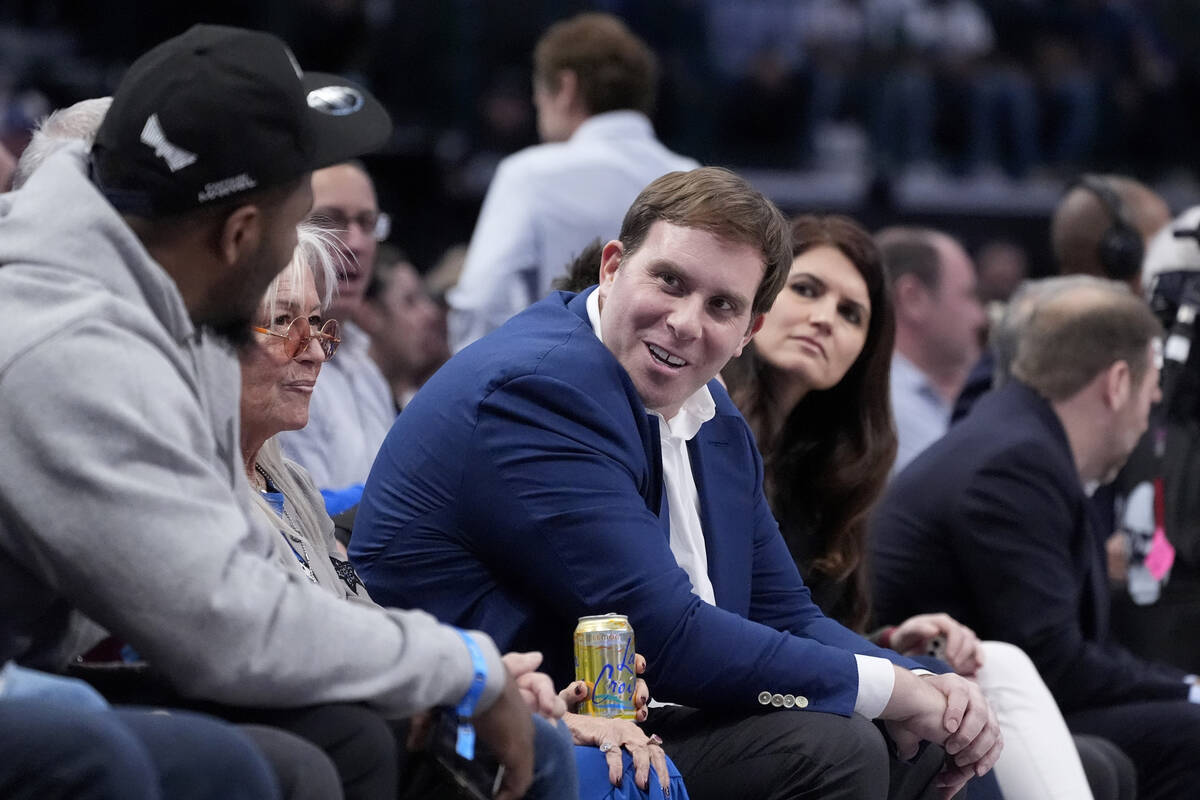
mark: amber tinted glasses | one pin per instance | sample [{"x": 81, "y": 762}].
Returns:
[{"x": 299, "y": 333}]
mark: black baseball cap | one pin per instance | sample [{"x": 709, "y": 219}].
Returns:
[{"x": 217, "y": 112}]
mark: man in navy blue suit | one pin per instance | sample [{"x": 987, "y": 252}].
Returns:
[
  {"x": 582, "y": 460},
  {"x": 993, "y": 526}
]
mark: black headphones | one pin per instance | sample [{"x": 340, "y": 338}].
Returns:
[{"x": 1121, "y": 247}]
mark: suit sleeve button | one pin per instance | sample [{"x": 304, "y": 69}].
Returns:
[
  {"x": 777, "y": 700},
  {"x": 801, "y": 702},
  {"x": 764, "y": 698},
  {"x": 789, "y": 701}
]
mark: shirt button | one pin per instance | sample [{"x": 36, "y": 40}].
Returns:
[
  {"x": 777, "y": 700},
  {"x": 789, "y": 701},
  {"x": 764, "y": 698},
  {"x": 801, "y": 702}
]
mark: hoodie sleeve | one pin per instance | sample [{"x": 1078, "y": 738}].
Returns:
[{"x": 117, "y": 495}]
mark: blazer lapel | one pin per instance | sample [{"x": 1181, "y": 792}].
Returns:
[{"x": 723, "y": 516}]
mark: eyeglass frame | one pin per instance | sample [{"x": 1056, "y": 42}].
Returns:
[
  {"x": 327, "y": 339},
  {"x": 334, "y": 219}
]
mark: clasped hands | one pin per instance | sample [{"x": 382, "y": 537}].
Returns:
[{"x": 611, "y": 736}]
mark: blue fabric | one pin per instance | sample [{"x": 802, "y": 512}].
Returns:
[
  {"x": 339, "y": 500},
  {"x": 554, "y": 775},
  {"x": 594, "y": 784},
  {"x": 51, "y": 748},
  {"x": 19, "y": 683},
  {"x": 521, "y": 490}
]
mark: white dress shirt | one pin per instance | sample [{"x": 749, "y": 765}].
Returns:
[
  {"x": 876, "y": 677},
  {"x": 350, "y": 413},
  {"x": 543, "y": 207}
]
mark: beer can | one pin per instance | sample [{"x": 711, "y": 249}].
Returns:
[{"x": 604, "y": 659}]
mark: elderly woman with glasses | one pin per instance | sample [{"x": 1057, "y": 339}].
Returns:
[{"x": 280, "y": 366}]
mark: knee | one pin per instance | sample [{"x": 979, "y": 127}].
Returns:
[
  {"x": 851, "y": 752},
  {"x": 1007, "y": 657}
]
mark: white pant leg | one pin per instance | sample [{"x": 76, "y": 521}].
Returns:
[{"x": 1039, "y": 761}]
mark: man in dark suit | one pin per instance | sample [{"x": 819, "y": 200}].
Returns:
[
  {"x": 582, "y": 460},
  {"x": 992, "y": 525}
]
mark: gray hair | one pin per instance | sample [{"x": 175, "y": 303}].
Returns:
[
  {"x": 316, "y": 253},
  {"x": 1006, "y": 333},
  {"x": 77, "y": 123}
]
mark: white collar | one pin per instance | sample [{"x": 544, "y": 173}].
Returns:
[
  {"x": 695, "y": 411},
  {"x": 614, "y": 124}
]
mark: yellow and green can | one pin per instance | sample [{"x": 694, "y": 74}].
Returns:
[{"x": 604, "y": 659}]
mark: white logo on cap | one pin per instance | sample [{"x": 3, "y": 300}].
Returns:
[
  {"x": 335, "y": 100},
  {"x": 176, "y": 157}
]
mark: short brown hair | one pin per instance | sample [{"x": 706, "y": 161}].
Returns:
[
  {"x": 911, "y": 251},
  {"x": 616, "y": 69},
  {"x": 1075, "y": 334},
  {"x": 724, "y": 204}
]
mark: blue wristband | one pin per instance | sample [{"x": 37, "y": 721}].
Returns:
[{"x": 465, "y": 744}]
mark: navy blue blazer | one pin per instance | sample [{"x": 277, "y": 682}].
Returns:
[
  {"x": 522, "y": 489},
  {"x": 992, "y": 526}
]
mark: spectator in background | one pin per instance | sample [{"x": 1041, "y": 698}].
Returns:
[
  {"x": 76, "y": 123},
  {"x": 594, "y": 87},
  {"x": 992, "y": 524},
  {"x": 938, "y": 323},
  {"x": 1154, "y": 556},
  {"x": 406, "y": 326},
  {"x": 1101, "y": 226},
  {"x": 1001, "y": 266},
  {"x": 352, "y": 407}
]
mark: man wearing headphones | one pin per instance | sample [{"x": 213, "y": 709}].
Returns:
[{"x": 1101, "y": 227}]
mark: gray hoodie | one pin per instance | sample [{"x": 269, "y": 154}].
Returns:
[{"x": 122, "y": 494}]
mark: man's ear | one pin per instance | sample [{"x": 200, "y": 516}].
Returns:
[
  {"x": 755, "y": 326},
  {"x": 567, "y": 97},
  {"x": 911, "y": 297},
  {"x": 610, "y": 261},
  {"x": 240, "y": 234},
  {"x": 1118, "y": 385}
]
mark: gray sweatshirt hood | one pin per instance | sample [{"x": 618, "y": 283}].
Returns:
[{"x": 84, "y": 241}]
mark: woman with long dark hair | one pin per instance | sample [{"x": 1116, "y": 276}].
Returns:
[{"x": 813, "y": 385}]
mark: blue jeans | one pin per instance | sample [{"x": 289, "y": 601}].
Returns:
[{"x": 53, "y": 750}]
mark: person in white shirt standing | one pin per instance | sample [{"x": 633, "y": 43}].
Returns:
[{"x": 593, "y": 87}]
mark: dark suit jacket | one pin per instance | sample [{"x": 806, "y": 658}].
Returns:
[
  {"x": 992, "y": 526},
  {"x": 522, "y": 489}
]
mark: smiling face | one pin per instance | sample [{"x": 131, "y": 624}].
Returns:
[
  {"x": 276, "y": 390},
  {"x": 818, "y": 324},
  {"x": 677, "y": 309}
]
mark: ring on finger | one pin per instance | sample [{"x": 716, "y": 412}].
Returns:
[
  {"x": 656, "y": 739},
  {"x": 607, "y": 746}
]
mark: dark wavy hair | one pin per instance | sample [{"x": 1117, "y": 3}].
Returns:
[{"x": 827, "y": 462}]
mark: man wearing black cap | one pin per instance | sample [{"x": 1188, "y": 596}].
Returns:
[{"x": 121, "y": 487}]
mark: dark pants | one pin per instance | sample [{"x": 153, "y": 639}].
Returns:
[
  {"x": 1161, "y": 737},
  {"x": 51, "y": 751},
  {"x": 357, "y": 740},
  {"x": 1110, "y": 773},
  {"x": 788, "y": 755}
]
